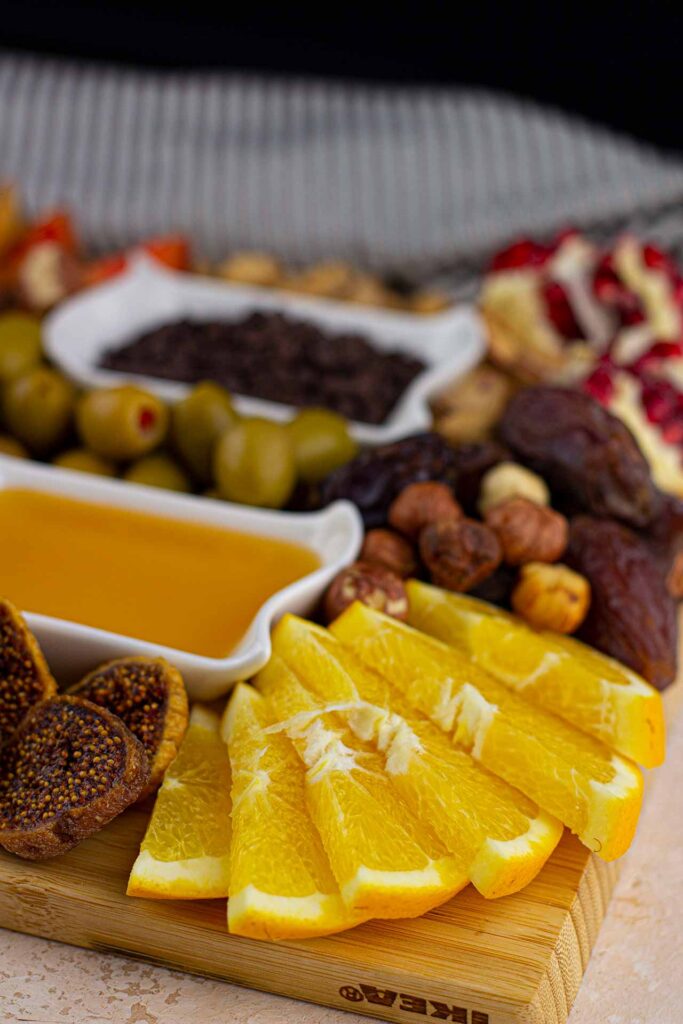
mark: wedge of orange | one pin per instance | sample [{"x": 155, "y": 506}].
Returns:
[
  {"x": 593, "y": 692},
  {"x": 498, "y": 837},
  {"x": 186, "y": 850},
  {"x": 281, "y": 883},
  {"x": 386, "y": 862},
  {"x": 596, "y": 792}
]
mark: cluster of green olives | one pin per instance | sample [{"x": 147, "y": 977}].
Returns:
[{"x": 198, "y": 444}]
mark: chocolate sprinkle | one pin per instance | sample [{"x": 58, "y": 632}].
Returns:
[{"x": 272, "y": 356}]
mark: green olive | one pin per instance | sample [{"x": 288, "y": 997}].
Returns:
[
  {"x": 158, "y": 470},
  {"x": 254, "y": 463},
  {"x": 20, "y": 344},
  {"x": 84, "y": 461},
  {"x": 121, "y": 423},
  {"x": 197, "y": 423},
  {"x": 321, "y": 443},
  {"x": 38, "y": 409},
  {"x": 10, "y": 446}
]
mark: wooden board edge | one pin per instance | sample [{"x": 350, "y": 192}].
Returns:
[
  {"x": 567, "y": 965},
  {"x": 390, "y": 993}
]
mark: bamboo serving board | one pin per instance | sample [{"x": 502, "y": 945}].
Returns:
[
  {"x": 516, "y": 960},
  {"x": 519, "y": 959}
]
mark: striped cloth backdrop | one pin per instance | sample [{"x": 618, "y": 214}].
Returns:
[{"x": 420, "y": 181}]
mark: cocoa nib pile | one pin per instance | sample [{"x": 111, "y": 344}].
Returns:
[{"x": 272, "y": 356}]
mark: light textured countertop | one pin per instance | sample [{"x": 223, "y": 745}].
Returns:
[{"x": 634, "y": 976}]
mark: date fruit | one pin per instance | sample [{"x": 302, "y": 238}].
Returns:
[
  {"x": 586, "y": 455},
  {"x": 632, "y": 616},
  {"x": 375, "y": 477}
]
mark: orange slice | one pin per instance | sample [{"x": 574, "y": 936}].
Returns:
[
  {"x": 281, "y": 883},
  {"x": 386, "y": 862},
  {"x": 594, "y": 791},
  {"x": 498, "y": 837},
  {"x": 588, "y": 689},
  {"x": 186, "y": 850}
]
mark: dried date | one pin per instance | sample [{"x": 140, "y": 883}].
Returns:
[
  {"x": 375, "y": 477},
  {"x": 587, "y": 456},
  {"x": 632, "y": 616}
]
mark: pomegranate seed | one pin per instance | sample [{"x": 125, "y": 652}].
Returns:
[
  {"x": 146, "y": 418},
  {"x": 655, "y": 259},
  {"x": 660, "y": 401},
  {"x": 600, "y": 385},
  {"x": 656, "y": 353},
  {"x": 524, "y": 253},
  {"x": 559, "y": 311},
  {"x": 672, "y": 431},
  {"x": 563, "y": 236}
]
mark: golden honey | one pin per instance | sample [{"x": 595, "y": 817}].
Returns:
[{"x": 192, "y": 586}]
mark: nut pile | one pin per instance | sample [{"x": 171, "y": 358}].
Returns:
[{"x": 519, "y": 538}]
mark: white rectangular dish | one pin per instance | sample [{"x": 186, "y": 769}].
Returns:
[
  {"x": 72, "y": 649},
  {"x": 147, "y": 295}
]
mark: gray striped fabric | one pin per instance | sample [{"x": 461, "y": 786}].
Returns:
[{"x": 412, "y": 180}]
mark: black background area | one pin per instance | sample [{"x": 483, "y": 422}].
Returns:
[{"x": 619, "y": 64}]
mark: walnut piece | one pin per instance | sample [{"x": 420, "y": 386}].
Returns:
[
  {"x": 510, "y": 480},
  {"x": 257, "y": 268},
  {"x": 372, "y": 584},
  {"x": 528, "y": 532},
  {"x": 420, "y": 504},
  {"x": 390, "y": 550},
  {"x": 551, "y": 597},
  {"x": 468, "y": 410},
  {"x": 459, "y": 553}
]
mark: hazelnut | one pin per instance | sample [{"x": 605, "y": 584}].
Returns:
[
  {"x": 551, "y": 597},
  {"x": 370, "y": 583},
  {"x": 510, "y": 480},
  {"x": 528, "y": 532},
  {"x": 390, "y": 550},
  {"x": 257, "y": 268},
  {"x": 420, "y": 504},
  {"x": 459, "y": 553}
]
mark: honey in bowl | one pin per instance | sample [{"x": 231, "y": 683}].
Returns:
[{"x": 191, "y": 586}]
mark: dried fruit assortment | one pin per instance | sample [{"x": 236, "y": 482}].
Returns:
[
  {"x": 273, "y": 356},
  {"x": 485, "y": 525},
  {"x": 424, "y": 528},
  {"x": 609, "y": 320},
  {"x": 70, "y": 763}
]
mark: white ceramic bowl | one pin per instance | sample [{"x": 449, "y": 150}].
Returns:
[
  {"x": 73, "y": 649},
  {"x": 148, "y": 295}
]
